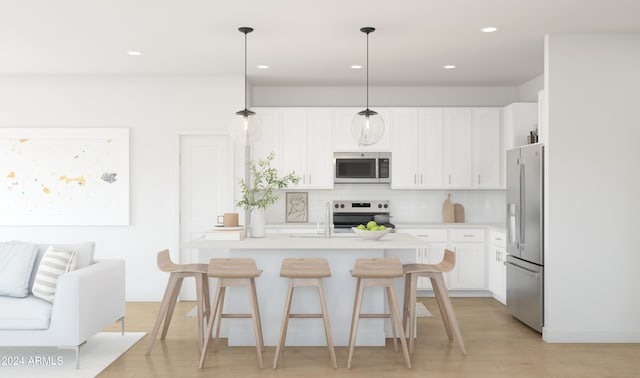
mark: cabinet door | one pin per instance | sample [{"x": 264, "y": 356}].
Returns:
[
  {"x": 405, "y": 152},
  {"x": 469, "y": 272},
  {"x": 342, "y": 129},
  {"x": 457, "y": 148},
  {"x": 498, "y": 271},
  {"x": 270, "y": 139},
  {"x": 431, "y": 123},
  {"x": 486, "y": 148},
  {"x": 320, "y": 150},
  {"x": 294, "y": 145}
]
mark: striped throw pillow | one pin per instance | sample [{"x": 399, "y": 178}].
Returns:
[{"x": 55, "y": 262}]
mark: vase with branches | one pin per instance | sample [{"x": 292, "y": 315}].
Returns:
[{"x": 262, "y": 190}]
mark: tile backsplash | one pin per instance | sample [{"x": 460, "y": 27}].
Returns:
[{"x": 407, "y": 206}]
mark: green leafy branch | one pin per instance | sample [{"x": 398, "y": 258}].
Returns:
[{"x": 265, "y": 183}]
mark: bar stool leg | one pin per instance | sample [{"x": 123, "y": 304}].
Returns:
[
  {"x": 223, "y": 292},
  {"x": 405, "y": 304},
  {"x": 413, "y": 286},
  {"x": 172, "y": 306},
  {"x": 285, "y": 323},
  {"x": 255, "y": 298},
  {"x": 391, "y": 318},
  {"x": 212, "y": 318},
  {"x": 354, "y": 320},
  {"x": 200, "y": 307},
  {"x": 396, "y": 311},
  {"x": 164, "y": 306},
  {"x": 256, "y": 325},
  {"x": 450, "y": 312},
  {"x": 206, "y": 302},
  {"x": 443, "y": 310},
  {"x": 327, "y": 328}
]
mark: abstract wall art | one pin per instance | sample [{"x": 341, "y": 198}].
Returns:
[{"x": 64, "y": 176}]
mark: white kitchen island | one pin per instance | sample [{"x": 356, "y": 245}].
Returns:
[{"x": 340, "y": 288}]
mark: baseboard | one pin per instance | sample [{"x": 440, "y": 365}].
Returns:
[{"x": 580, "y": 336}]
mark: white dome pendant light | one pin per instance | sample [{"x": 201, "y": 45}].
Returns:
[
  {"x": 367, "y": 127},
  {"x": 246, "y": 128}
]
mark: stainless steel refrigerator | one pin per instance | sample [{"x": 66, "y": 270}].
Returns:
[{"x": 525, "y": 254}]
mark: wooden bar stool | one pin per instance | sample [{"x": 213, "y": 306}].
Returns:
[
  {"x": 178, "y": 272},
  {"x": 435, "y": 274},
  {"x": 234, "y": 272},
  {"x": 378, "y": 272},
  {"x": 305, "y": 272}
]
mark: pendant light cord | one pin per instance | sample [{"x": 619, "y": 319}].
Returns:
[
  {"x": 245, "y": 71},
  {"x": 367, "y": 71}
]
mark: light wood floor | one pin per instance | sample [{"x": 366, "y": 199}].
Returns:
[{"x": 498, "y": 346}]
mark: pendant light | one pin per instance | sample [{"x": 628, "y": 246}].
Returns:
[
  {"x": 246, "y": 126},
  {"x": 367, "y": 127}
]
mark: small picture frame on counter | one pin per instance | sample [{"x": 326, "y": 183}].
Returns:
[{"x": 297, "y": 207}]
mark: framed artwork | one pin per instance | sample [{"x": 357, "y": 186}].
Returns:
[
  {"x": 64, "y": 176},
  {"x": 297, "y": 207}
]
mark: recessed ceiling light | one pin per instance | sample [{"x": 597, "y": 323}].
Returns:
[
  {"x": 356, "y": 67},
  {"x": 489, "y": 29},
  {"x": 449, "y": 67},
  {"x": 134, "y": 53},
  {"x": 263, "y": 67}
]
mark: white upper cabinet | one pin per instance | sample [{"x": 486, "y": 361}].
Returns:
[
  {"x": 342, "y": 131},
  {"x": 487, "y": 148},
  {"x": 417, "y": 148},
  {"x": 270, "y": 139},
  {"x": 307, "y": 147},
  {"x": 457, "y": 148}
]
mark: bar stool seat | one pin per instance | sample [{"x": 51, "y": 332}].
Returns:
[
  {"x": 435, "y": 273},
  {"x": 178, "y": 272},
  {"x": 306, "y": 272},
  {"x": 234, "y": 272},
  {"x": 378, "y": 272}
]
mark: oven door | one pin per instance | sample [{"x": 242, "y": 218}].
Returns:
[{"x": 356, "y": 170}]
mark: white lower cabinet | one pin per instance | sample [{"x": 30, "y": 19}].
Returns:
[
  {"x": 497, "y": 270},
  {"x": 469, "y": 273}
]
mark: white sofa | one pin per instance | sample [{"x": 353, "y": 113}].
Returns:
[{"x": 87, "y": 300}]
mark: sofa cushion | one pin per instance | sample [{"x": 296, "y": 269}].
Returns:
[
  {"x": 84, "y": 255},
  {"x": 16, "y": 264},
  {"x": 54, "y": 263},
  {"x": 24, "y": 313}
]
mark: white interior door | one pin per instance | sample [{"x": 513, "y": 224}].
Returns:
[{"x": 206, "y": 191}]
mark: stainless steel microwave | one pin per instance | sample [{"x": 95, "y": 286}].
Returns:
[{"x": 362, "y": 167}]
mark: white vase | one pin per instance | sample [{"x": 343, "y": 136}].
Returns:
[{"x": 258, "y": 223}]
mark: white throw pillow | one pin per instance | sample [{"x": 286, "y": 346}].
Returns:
[
  {"x": 54, "y": 263},
  {"x": 16, "y": 264}
]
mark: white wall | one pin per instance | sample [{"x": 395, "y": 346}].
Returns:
[
  {"x": 528, "y": 92},
  {"x": 384, "y": 96},
  {"x": 592, "y": 254},
  {"x": 154, "y": 108}
]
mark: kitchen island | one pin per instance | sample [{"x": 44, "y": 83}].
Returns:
[{"x": 341, "y": 250}]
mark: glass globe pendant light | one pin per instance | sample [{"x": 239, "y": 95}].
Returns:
[
  {"x": 245, "y": 128},
  {"x": 367, "y": 127}
]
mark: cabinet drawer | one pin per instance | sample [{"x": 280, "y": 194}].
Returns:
[
  {"x": 498, "y": 238},
  {"x": 431, "y": 235},
  {"x": 467, "y": 235}
]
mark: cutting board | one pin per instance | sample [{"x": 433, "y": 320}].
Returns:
[
  {"x": 448, "y": 215},
  {"x": 458, "y": 212}
]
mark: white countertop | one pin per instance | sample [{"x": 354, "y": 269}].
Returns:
[{"x": 311, "y": 241}]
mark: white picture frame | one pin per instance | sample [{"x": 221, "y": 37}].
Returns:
[
  {"x": 64, "y": 176},
  {"x": 297, "y": 207}
]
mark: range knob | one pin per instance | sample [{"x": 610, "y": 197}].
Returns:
[
  {"x": 342, "y": 205},
  {"x": 336, "y": 206},
  {"x": 385, "y": 205},
  {"x": 379, "y": 206}
]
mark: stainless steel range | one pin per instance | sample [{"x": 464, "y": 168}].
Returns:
[{"x": 347, "y": 214}]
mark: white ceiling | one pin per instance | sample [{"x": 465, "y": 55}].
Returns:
[{"x": 305, "y": 42}]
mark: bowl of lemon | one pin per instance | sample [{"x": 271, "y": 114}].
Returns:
[{"x": 370, "y": 231}]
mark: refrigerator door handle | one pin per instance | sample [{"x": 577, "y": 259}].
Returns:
[
  {"x": 526, "y": 271},
  {"x": 521, "y": 215},
  {"x": 512, "y": 219}
]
